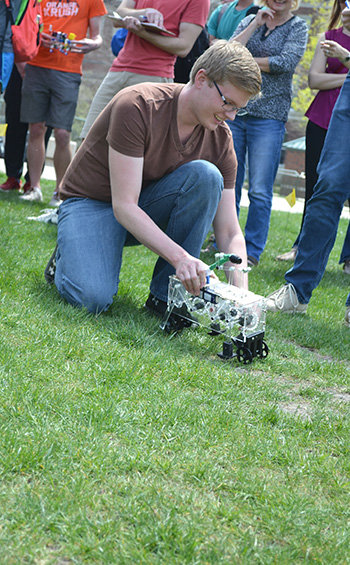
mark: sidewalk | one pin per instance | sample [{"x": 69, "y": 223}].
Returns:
[
  {"x": 48, "y": 174},
  {"x": 279, "y": 202}
]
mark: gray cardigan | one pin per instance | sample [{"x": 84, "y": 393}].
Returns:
[{"x": 284, "y": 46}]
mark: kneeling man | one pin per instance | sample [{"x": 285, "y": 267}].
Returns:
[{"x": 158, "y": 168}]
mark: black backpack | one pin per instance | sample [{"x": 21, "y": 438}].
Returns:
[{"x": 184, "y": 65}]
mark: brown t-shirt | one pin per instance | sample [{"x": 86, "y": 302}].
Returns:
[{"x": 141, "y": 121}]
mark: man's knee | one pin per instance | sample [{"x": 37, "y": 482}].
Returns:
[
  {"x": 205, "y": 178},
  {"x": 62, "y": 137},
  {"x": 331, "y": 189},
  {"x": 37, "y": 131},
  {"x": 205, "y": 171},
  {"x": 94, "y": 299}
]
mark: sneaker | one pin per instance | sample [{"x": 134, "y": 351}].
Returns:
[
  {"x": 347, "y": 316},
  {"x": 55, "y": 200},
  {"x": 50, "y": 270},
  {"x": 346, "y": 267},
  {"x": 10, "y": 184},
  {"x": 288, "y": 256},
  {"x": 158, "y": 307},
  {"x": 26, "y": 187},
  {"x": 33, "y": 195},
  {"x": 285, "y": 300}
]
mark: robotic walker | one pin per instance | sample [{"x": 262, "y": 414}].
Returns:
[{"x": 224, "y": 309}]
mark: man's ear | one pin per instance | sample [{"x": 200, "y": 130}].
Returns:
[{"x": 201, "y": 78}]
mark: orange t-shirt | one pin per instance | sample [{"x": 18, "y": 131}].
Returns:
[{"x": 68, "y": 17}]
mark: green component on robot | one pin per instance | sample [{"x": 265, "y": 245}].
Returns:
[{"x": 224, "y": 258}]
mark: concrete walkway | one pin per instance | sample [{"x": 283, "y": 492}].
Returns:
[{"x": 279, "y": 202}]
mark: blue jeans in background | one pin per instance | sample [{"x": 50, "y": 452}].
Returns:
[
  {"x": 345, "y": 252},
  {"x": 91, "y": 241},
  {"x": 314, "y": 138},
  {"x": 261, "y": 140},
  {"x": 324, "y": 208}
]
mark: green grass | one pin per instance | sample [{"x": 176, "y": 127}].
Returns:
[{"x": 121, "y": 444}]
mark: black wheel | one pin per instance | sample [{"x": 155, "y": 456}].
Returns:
[
  {"x": 244, "y": 355},
  {"x": 264, "y": 350}
]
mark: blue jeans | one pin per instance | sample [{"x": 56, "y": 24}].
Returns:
[
  {"x": 315, "y": 138},
  {"x": 91, "y": 241},
  {"x": 345, "y": 252},
  {"x": 262, "y": 140},
  {"x": 324, "y": 208}
]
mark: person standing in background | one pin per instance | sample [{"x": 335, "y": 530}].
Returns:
[
  {"x": 277, "y": 40},
  {"x": 51, "y": 84},
  {"x": 146, "y": 56},
  {"x": 6, "y": 49},
  {"x": 327, "y": 74},
  {"x": 226, "y": 17},
  {"x": 323, "y": 211},
  {"x": 16, "y": 134}
]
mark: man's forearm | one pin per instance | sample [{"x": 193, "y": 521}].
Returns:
[
  {"x": 123, "y": 12},
  {"x": 236, "y": 245},
  {"x": 178, "y": 46},
  {"x": 190, "y": 270},
  {"x": 140, "y": 225}
]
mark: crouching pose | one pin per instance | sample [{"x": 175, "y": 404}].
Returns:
[{"x": 158, "y": 168}]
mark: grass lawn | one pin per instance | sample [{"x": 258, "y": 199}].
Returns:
[{"x": 121, "y": 444}]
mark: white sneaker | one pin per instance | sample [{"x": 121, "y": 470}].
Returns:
[
  {"x": 285, "y": 300},
  {"x": 33, "y": 195},
  {"x": 55, "y": 200},
  {"x": 288, "y": 256},
  {"x": 347, "y": 317},
  {"x": 346, "y": 267}
]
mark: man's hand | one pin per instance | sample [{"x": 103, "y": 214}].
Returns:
[
  {"x": 192, "y": 273},
  {"x": 154, "y": 17},
  {"x": 84, "y": 45},
  {"x": 132, "y": 24},
  {"x": 46, "y": 39}
]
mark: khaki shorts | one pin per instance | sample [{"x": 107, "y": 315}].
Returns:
[{"x": 110, "y": 86}]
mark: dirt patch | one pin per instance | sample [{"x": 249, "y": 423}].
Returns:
[
  {"x": 300, "y": 410},
  {"x": 339, "y": 395}
]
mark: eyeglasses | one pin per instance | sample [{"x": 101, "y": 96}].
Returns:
[{"x": 228, "y": 107}]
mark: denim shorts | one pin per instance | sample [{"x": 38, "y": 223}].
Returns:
[{"x": 49, "y": 96}]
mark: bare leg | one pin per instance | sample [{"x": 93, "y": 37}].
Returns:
[
  {"x": 63, "y": 155},
  {"x": 36, "y": 152}
]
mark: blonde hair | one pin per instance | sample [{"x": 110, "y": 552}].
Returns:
[
  {"x": 229, "y": 61},
  {"x": 295, "y": 4}
]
